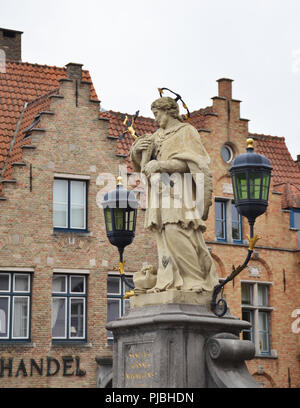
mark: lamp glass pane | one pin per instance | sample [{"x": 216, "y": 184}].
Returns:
[
  {"x": 255, "y": 183},
  {"x": 241, "y": 181},
  {"x": 129, "y": 221},
  {"x": 265, "y": 186},
  {"x": 118, "y": 213},
  {"x": 108, "y": 219}
]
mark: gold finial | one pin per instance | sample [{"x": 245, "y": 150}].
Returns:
[
  {"x": 119, "y": 181},
  {"x": 250, "y": 143}
]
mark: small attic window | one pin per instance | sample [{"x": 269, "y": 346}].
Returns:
[{"x": 9, "y": 34}]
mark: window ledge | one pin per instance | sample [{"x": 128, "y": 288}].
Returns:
[
  {"x": 17, "y": 344},
  {"x": 274, "y": 357},
  {"x": 57, "y": 233},
  {"x": 69, "y": 344}
]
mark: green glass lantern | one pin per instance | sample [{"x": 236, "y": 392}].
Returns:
[
  {"x": 251, "y": 175},
  {"x": 120, "y": 212}
]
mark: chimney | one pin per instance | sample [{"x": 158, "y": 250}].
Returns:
[
  {"x": 10, "y": 43},
  {"x": 74, "y": 70},
  {"x": 225, "y": 88},
  {"x": 297, "y": 160}
]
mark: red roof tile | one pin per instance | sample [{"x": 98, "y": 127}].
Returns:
[{"x": 285, "y": 170}]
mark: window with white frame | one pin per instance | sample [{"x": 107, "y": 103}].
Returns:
[
  {"x": 69, "y": 307},
  {"x": 15, "y": 306},
  {"x": 117, "y": 306},
  {"x": 70, "y": 204},
  {"x": 228, "y": 222},
  {"x": 295, "y": 218},
  {"x": 257, "y": 311}
]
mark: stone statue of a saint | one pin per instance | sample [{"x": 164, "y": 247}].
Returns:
[{"x": 184, "y": 261}]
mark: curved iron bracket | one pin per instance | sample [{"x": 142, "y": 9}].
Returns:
[{"x": 220, "y": 307}]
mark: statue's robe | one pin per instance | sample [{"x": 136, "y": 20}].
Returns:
[{"x": 176, "y": 214}]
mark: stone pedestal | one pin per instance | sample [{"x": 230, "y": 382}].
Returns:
[{"x": 179, "y": 346}]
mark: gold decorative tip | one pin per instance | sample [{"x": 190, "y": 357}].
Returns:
[
  {"x": 119, "y": 181},
  {"x": 250, "y": 143}
]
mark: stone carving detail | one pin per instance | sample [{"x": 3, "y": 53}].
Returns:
[
  {"x": 165, "y": 260},
  {"x": 176, "y": 149},
  {"x": 226, "y": 353}
]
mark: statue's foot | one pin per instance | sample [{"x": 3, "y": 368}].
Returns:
[{"x": 153, "y": 290}]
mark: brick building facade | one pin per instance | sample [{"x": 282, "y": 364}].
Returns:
[{"x": 56, "y": 150}]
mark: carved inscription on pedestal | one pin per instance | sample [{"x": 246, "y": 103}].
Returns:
[{"x": 138, "y": 359}]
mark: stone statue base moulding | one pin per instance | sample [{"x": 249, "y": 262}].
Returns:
[{"x": 179, "y": 345}]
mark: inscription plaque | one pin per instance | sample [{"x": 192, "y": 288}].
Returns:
[{"x": 138, "y": 370}]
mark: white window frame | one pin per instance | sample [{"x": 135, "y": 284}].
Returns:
[
  {"x": 8, "y": 317},
  {"x": 67, "y": 295},
  {"x": 14, "y": 283},
  {"x": 9, "y": 282},
  {"x": 64, "y": 298},
  {"x": 118, "y": 296},
  {"x": 12, "y": 294},
  {"x": 256, "y": 308},
  {"x": 83, "y": 320},
  {"x": 84, "y": 285},
  {"x": 27, "y": 317},
  {"x": 68, "y": 196},
  {"x": 228, "y": 202},
  {"x": 84, "y": 204}
]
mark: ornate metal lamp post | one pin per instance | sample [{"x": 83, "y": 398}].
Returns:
[
  {"x": 120, "y": 212},
  {"x": 251, "y": 174}
]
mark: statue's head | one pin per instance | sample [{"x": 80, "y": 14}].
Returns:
[{"x": 165, "y": 107}]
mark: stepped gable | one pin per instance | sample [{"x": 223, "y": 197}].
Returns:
[
  {"x": 29, "y": 119},
  {"x": 23, "y": 82}
]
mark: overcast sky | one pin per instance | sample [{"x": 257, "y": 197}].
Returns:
[{"x": 132, "y": 47}]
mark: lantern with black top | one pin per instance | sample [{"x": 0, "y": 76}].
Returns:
[
  {"x": 251, "y": 175},
  {"x": 120, "y": 212}
]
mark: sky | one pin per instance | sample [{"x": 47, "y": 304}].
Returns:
[{"x": 133, "y": 47}]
